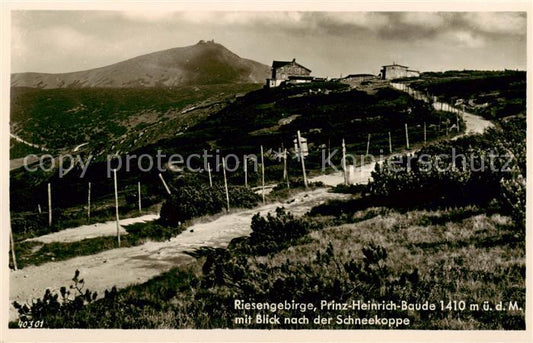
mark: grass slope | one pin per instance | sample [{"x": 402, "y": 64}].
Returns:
[{"x": 492, "y": 94}]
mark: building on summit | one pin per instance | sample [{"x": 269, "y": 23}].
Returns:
[
  {"x": 397, "y": 71},
  {"x": 283, "y": 71}
]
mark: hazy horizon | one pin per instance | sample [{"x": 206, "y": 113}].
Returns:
[{"x": 328, "y": 43}]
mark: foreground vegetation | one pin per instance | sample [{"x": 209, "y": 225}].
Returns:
[{"x": 377, "y": 254}]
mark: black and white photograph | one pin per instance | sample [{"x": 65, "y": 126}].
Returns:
[{"x": 265, "y": 171}]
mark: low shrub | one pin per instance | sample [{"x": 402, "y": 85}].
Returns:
[{"x": 190, "y": 201}]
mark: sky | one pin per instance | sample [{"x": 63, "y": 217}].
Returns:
[{"x": 329, "y": 43}]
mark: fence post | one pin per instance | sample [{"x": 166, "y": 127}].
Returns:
[
  {"x": 424, "y": 133},
  {"x": 39, "y": 208},
  {"x": 49, "y": 205},
  {"x": 13, "y": 249},
  {"x": 285, "y": 170},
  {"x": 89, "y": 202},
  {"x": 329, "y": 146},
  {"x": 406, "y": 136},
  {"x": 116, "y": 205},
  {"x": 262, "y": 175},
  {"x": 225, "y": 182},
  {"x": 390, "y": 144},
  {"x": 344, "y": 161},
  {"x": 246, "y": 172},
  {"x": 139, "y": 193},
  {"x": 209, "y": 173},
  {"x": 302, "y": 157},
  {"x": 368, "y": 144},
  {"x": 164, "y": 183}
]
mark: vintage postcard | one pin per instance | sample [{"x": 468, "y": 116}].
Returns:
[{"x": 300, "y": 172}]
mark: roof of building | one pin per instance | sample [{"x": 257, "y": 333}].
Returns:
[
  {"x": 278, "y": 64},
  {"x": 301, "y": 77},
  {"x": 395, "y": 65},
  {"x": 358, "y": 75}
]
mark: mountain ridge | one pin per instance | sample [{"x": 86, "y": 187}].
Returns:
[{"x": 201, "y": 64}]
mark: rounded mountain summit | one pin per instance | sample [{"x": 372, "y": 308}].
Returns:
[{"x": 204, "y": 63}]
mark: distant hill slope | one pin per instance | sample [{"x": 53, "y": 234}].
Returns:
[{"x": 202, "y": 64}]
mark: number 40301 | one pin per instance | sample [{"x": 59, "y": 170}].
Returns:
[{"x": 29, "y": 324}]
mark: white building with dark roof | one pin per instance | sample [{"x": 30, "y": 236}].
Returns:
[{"x": 397, "y": 71}]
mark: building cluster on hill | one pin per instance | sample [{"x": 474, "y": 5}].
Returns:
[{"x": 290, "y": 72}]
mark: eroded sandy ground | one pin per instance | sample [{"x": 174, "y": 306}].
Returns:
[{"x": 91, "y": 231}]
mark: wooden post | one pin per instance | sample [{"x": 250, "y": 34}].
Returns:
[
  {"x": 329, "y": 147},
  {"x": 262, "y": 175},
  {"x": 424, "y": 132},
  {"x": 116, "y": 205},
  {"x": 209, "y": 173},
  {"x": 246, "y": 172},
  {"x": 89, "y": 202},
  {"x": 139, "y": 195},
  {"x": 164, "y": 183},
  {"x": 302, "y": 158},
  {"x": 286, "y": 171},
  {"x": 284, "y": 164},
  {"x": 49, "y": 205},
  {"x": 344, "y": 162},
  {"x": 368, "y": 144},
  {"x": 390, "y": 144},
  {"x": 457, "y": 121},
  {"x": 406, "y": 136},
  {"x": 39, "y": 208},
  {"x": 225, "y": 182},
  {"x": 13, "y": 249}
]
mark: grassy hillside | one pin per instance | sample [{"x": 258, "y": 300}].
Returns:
[
  {"x": 19, "y": 150},
  {"x": 492, "y": 94},
  {"x": 325, "y": 113},
  {"x": 448, "y": 251},
  {"x": 113, "y": 120}
]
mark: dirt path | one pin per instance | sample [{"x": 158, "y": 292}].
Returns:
[
  {"x": 126, "y": 266},
  {"x": 91, "y": 231},
  {"x": 362, "y": 175},
  {"x": 474, "y": 123}
]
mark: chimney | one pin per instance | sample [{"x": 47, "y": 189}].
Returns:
[{"x": 293, "y": 60}]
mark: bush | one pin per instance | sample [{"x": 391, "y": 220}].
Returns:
[
  {"x": 190, "y": 201},
  {"x": 53, "y": 309},
  {"x": 273, "y": 233},
  {"x": 460, "y": 181},
  {"x": 349, "y": 189}
]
